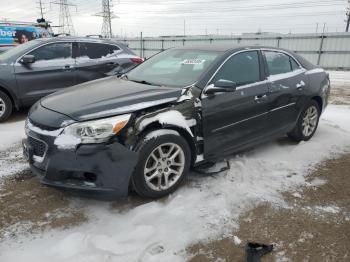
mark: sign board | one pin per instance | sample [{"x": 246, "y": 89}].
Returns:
[{"x": 14, "y": 35}]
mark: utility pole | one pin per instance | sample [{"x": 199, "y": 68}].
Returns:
[
  {"x": 107, "y": 14},
  {"x": 41, "y": 8},
  {"x": 65, "y": 19},
  {"x": 348, "y": 19}
]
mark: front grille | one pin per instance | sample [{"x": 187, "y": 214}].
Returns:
[{"x": 38, "y": 146}]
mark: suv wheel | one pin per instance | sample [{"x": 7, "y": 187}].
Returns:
[
  {"x": 307, "y": 123},
  {"x": 164, "y": 161},
  {"x": 5, "y": 106}
]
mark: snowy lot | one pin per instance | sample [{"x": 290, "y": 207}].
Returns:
[{"x": 205, "y": 208}]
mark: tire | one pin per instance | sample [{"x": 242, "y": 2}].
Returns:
[
  {"x": 309, "y": 117},
  {"x": 156, "y": 168},
  {"x": 5, "y": 106}
]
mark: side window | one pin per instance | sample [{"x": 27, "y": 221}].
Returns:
[
  {"x": 294, "y": 64},
  {"x": 277, "y": 63},
  {"x": 53, "y": 51},
  {"x": 242, "y": 68},
  {"x": 96, "y": 50}
]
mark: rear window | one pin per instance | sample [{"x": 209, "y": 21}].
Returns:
[
  {"x": 96, "y": 50},
  {"x": 280, "y": 63}
]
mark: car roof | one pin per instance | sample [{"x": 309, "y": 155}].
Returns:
[
  {"x": 74, "y": 38},
  {"x": 226, "y": 47}
]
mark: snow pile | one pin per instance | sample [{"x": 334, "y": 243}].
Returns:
[
  {"x": 207, "y": 207},
  {"x": 339, "y": 78},
  {"x": 11, "y": 133}
]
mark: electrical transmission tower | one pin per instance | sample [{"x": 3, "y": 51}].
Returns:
[
  {"x": 348, "y": 18},
  {"x": 107, "y": 14},
  {"x": 65, "y": 19}
]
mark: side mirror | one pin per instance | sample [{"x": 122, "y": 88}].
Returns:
[
  {"x": 28, "y": 59},
  {"x": 221, "y": 86}
]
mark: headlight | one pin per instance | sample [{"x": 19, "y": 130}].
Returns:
[{"x": 97, "y": 131}]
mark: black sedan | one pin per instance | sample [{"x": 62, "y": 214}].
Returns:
[{"x": 181, "y": 108}]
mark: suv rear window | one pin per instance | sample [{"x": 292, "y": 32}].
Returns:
[{"x": 96, "y": 50}]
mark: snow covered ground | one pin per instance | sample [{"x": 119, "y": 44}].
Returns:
[{"x": 205, "y": 208}]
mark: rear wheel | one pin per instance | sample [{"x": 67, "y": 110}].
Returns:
[
  {"x": 164, "y": 161},
  {"x": 307, "y": 123},
  {"x": 5, "y": 106}
]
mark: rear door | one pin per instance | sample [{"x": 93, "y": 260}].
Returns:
[
  {"x": 233, "y": 119},
  {"x": 53, "y": 69},
  {"x": 95, "y": 60},
  {"x": 287, "y": 80}
]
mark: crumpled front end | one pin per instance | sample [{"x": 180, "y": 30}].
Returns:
[{"x": 105, "y": 167}]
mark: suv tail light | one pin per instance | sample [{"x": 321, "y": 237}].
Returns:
[{"x": 137, "y": 60}]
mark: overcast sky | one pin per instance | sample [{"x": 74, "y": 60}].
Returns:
[{"x": 166, "y": 17}]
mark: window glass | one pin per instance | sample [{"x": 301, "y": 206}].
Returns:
[
  {"x": 294, "y": 64},
  {"x": 96, "y": 50},
  {"x": 174, "y": 67},
  {"x": 277, "y": 63},
  {"x": 242, "y": 69},
  {"x": 53, "y": 51}
]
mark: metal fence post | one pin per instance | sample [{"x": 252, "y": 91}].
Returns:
[
  {"x": 320, "y": 51},
  {"x": 141, "y": 45},
  {"x": 278, "y": 41},
  {"x": 162, "y": 44}
]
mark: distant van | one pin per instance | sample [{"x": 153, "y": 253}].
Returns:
[{"x": 13, "y": 33}]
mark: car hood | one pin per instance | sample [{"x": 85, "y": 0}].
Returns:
[{"x": 108, "y": 97}]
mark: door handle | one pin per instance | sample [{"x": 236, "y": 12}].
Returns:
[
  {"x": 68, "y": 67},
  {"x": 259, "y": 98},
  {"x": 300, "y": 85}
]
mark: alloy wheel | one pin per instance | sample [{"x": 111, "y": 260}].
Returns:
[
  {"x": 2, "y": 107},
  {"x": 310, "y": 121},
  {"x": 164, "y": 166}
]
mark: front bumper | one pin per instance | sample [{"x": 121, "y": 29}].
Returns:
[{"x": 92, "y": 168}]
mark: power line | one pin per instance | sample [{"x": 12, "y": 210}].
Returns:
[{"x": 107, "y": 15}]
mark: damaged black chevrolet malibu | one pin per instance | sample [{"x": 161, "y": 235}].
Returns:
[{"x": 180, "y": 108}]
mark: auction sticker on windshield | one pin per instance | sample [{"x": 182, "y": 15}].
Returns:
[{"x": 192, "y": 62}]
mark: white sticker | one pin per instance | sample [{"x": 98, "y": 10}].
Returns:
[{"x": 192, "y": 62}]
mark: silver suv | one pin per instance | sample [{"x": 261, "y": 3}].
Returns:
[{"x": 40, "y": 67}]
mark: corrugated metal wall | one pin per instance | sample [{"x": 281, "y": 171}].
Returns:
[{"x": 330, "y": 50}]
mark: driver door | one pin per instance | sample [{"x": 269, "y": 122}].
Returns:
[
  {"x": 53, "y": 69},
  {"x": 234, "y": 119}
]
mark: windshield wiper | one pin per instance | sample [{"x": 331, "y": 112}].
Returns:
[{"x": 144, "y": 82}]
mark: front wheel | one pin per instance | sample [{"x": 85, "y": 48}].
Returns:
[
  {"x": 164, "y": 161},
  {"x": 307, "y": 123},
  {"x": 5, "y": 106}
]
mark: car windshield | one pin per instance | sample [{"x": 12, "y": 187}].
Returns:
[
  {"x": 175, "y": 67},
  {"x": 18, "y": 49}
]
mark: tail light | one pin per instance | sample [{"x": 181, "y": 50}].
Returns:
[{"x": 137, "y": 60}]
